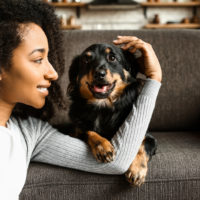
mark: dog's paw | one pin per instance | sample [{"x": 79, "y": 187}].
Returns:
[
  {"x": 137, "y": 171},
  {"x": 136, "y": 175},
  {"x": 101, "y": 148},
  {"x": 103, "y": 151}
]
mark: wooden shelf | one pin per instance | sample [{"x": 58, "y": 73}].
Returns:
[
  {"x": 69, "y": 5},
  {"x": 171, "y": 4},
  {"x": 172, "y": 26},
  {"x": 113, "y": 7},
  {"x": 191, "y": 4},
  {"x": 71, "y": 27}
]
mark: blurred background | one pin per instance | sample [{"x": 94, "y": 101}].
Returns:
[{"x": 127, "y": 14}]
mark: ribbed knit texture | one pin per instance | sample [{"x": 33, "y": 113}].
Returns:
[{"x": 46, "y": 144}]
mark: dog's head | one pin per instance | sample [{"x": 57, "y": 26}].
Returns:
[{"x": 101, "y": 73}]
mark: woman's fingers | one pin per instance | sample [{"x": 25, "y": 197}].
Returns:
[
  {"x": 132, "y": 43},
  {"x": 149, "y": 61},
  {"x": 124, "y": 39}
]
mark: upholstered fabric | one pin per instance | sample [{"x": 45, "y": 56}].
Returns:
[{"x": 173, "y": 175}]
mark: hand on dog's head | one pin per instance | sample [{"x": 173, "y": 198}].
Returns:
[{"x": 102, "y": 71}]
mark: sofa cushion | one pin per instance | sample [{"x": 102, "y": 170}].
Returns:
[{"x": 174, "y": 174}]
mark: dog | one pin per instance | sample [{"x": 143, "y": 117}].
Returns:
[{"x": 103, "y": 88}]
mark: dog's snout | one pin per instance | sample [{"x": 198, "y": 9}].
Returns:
[{"x": 100, "y": 74}]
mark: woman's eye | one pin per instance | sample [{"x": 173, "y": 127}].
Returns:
[
  {"x": 111, "y": 57},
  {"x": 38, "y": 61}
]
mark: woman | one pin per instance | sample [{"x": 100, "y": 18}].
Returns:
[{"x": 29, "y": 36}]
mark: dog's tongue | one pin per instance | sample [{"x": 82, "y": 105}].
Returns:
[{"x": 101, "y": 89}]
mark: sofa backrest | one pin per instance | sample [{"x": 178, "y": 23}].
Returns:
[{"x": 178, "y": 103}]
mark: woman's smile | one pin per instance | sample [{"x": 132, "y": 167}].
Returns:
[{"x": 43, "y": 89}]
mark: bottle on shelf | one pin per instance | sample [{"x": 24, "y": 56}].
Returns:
[
  {"x": 71, "y": 21},
  {"x": 63, "y": 20},
  {"x": 156, "y": 19}
]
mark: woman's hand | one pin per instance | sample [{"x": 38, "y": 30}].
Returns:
[{"x": 149, "y": 63}]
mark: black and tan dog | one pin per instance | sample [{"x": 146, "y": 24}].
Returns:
[{"x": 103, "y": 88}]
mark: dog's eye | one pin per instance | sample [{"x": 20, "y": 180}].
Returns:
[{"x": 111, "y": 57}]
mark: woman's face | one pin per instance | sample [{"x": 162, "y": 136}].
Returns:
[{"x": 30, "y": 75}]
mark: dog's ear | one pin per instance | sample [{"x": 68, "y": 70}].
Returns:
[
  {"x": 131, "y": 64},
  {"x": 73, "y": 74}
]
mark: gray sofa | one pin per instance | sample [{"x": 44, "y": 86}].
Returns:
[{"x": 174, "y": 172}]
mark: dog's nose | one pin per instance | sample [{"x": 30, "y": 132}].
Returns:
[{"x": 100, "y": 74}]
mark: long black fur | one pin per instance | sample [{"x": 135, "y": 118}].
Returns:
[{"x": 105, "y": 120}]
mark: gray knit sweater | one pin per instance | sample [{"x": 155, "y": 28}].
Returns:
[{"x": 46, "y": 144}]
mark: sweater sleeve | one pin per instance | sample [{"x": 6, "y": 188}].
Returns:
[{"x": 55, "y": 148}]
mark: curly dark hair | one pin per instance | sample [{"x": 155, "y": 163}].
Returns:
[{"x": 16, "y": 12}]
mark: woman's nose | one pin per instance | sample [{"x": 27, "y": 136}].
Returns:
[{"x": 51, "y": 73}]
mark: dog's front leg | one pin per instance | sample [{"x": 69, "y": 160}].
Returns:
[
  {"x": 101, "y": 148},
  {"x": 137, "y": 171}
]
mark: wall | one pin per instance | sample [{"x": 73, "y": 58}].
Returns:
[{"x": 125, "y": 19}]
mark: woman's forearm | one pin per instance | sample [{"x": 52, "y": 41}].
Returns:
[{"x": 58, "y": 149}]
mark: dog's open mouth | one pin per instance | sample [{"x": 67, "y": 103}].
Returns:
[{"x": 101, "y": 90}]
